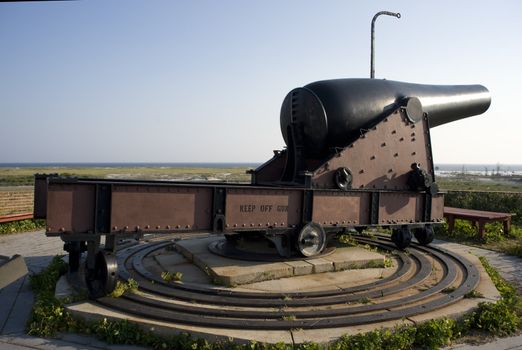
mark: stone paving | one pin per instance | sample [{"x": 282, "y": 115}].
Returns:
[{"x": 16, "y": 300}]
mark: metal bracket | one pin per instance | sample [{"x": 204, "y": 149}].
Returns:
[
  {"x": 102, "y": 213},
  {"x": 218, "y": 209},
  {"x": 307, "y": 206},
  {"x": 427, "y": 206},
  {"x": 374, "y": 208}
]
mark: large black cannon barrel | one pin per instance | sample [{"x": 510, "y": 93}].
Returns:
[{"x": 333, "y": 113}]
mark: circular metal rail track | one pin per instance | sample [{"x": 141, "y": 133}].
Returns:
[{"x": 426, "y": 278}]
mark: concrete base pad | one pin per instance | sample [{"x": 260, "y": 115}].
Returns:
[
  {"x": 313, "y": 281},
  {"x": 232, "y": 272}
]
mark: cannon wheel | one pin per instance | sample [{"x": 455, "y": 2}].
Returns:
[
  {"x": 102, "y": 279},
  {"x": 401, "y": 237},
  {"x": 424, "y": 235},
  {"x": 311, "y": 240}
]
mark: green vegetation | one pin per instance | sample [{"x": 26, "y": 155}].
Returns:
[
  {"x": 121, "y": 287},
  {"x": 503, "y": 317},
  {"x": 48, "y": 315},
  {"x": 473, "y": 294},
  {"x": 171, "y": 277},
  {"x": 466, "y": 182},
  {"x": 289, "y": 318},
  {"x": 21, "y": 226},
  {"x": 495, "y": 319}
]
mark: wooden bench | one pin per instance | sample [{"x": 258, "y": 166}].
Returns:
[{"x": 476, "y": 216}]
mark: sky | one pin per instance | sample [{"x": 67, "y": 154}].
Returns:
[{"x": 203, "y": 81}]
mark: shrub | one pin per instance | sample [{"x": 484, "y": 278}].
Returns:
[
  {"x": 435, "y": 333},
  {"x": 495, "y": 318},
  {"x": 363, "y": 341},
  {"x": 121, "y": 287}
]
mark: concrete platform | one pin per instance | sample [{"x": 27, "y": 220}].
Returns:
[
  {"x": 38, "y": 250},
  {"x": 311, "y": 281},
  {"x": 232, "y": 272}
]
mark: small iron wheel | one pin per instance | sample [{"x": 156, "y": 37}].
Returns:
[
  {"x": 401, "y": 237},
  {"x": 424, "y": 235},
  {"x": 102, "y": 279},
  {"x": 311, "y": 239}
]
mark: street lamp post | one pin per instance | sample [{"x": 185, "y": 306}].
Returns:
[{"x": 372, "y": 59}]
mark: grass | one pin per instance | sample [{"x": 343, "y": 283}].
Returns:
[
  {"x": 480, "y": 183},
  {"x": 24, "y": 176}
]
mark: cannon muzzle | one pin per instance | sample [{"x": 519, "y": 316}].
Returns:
[{"x": 333, "y": 113}]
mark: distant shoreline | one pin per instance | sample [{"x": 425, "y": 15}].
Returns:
[
  {"x": 129, "y": 165},
  {"x": 439, "y": 167}
]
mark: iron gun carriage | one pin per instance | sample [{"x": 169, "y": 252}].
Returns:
[{"x": 358, "y": 155}]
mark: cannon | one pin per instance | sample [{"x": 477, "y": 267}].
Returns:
[
  {"x": 358, "y": 156},
  {"x": 333, "y": 113}
]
